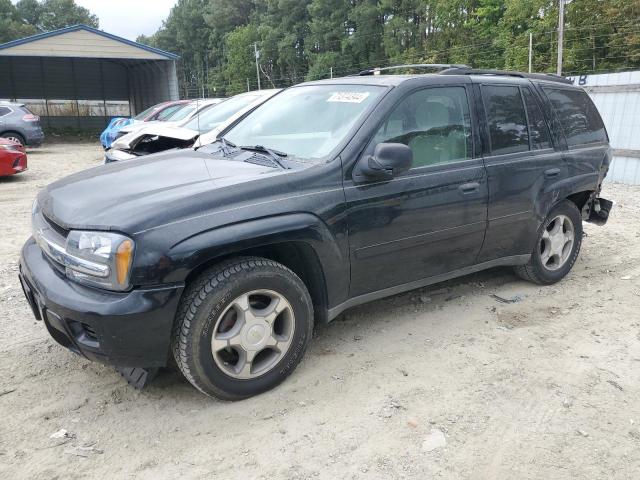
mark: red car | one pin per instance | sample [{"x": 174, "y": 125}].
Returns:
[{"x": 13, "y": 158}]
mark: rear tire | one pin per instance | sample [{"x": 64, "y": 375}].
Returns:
[
  {"x": 242, "y": 327},
  {"x": 557, "y": 246},
  {"x": 14, "y": 136}
]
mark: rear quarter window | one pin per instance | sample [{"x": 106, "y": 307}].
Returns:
[
  {"x": 580, "y": 120},
  {"x": 4, "y": 111}
]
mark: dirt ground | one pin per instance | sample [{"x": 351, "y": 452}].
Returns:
[{"x": 444, "y": 382}]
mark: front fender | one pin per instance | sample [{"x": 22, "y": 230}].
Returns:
[{"x": 207, "y": 246}]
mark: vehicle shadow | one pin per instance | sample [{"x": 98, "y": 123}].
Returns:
[{"x": 377, "y": 313}]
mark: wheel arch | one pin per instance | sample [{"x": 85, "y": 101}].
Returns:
[
  {"x": 301, "y": 242},
  {"x": 15, "y": 132}
]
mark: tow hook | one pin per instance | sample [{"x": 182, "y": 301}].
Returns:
[{"x": 599, "y": 211}]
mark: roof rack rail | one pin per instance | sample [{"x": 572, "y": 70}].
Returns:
[
  {"x": 551, "y": 77},
  {"x": 441, "y": 66}
]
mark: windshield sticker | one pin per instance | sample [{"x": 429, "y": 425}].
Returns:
[{"x": 348, "y": 97}]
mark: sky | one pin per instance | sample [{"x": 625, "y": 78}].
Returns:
[{"x": 128, "y": 18}]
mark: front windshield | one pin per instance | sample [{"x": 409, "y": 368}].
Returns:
[
  {"x": 167, "y": 112},
  {"x": 307, "y": 122},
  {"x": 210, "y": 117},
  {"x": 181, "y": 113}
]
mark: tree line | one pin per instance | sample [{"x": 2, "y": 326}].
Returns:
[
  {"x": 310, "y": 39},
  {"x": 29, "y": 17},
  {"x": 301, "y": 40}
]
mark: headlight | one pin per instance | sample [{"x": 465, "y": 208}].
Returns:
[{"x": 101, "y": 259}]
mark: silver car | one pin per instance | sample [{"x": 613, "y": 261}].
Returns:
[{"x": 19, "y": 124}]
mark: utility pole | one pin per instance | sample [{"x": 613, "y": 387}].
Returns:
[
  {"x": 330, "y": 72},
  {"x": 248, "y": 89},
  {"x": 560, "y": 36},
  {"x": 530, "y": 52},
  {"x": 255, "y": 49}
]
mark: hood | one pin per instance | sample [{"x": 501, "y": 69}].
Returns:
[
  {"x": 160, "y": 129},
  {"x": 150, "y": 191}
]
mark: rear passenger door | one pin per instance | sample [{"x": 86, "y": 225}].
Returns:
[
  {"x": 431, "y": 219},
  {"x": 521, "y": 162}
]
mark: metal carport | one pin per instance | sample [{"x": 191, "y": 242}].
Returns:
[{"x": 81, "y": 77}]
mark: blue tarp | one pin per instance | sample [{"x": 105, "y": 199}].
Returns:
[{"x": 109, "y": 135}]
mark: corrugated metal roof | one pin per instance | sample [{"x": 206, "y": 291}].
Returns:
[{"x": 44, "y": 45}]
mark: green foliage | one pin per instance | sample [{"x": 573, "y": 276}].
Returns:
[
  {"x": 308, "y": 39},
  {"x": 11, "y": 25},
  {"x": 50, "y": 15}
]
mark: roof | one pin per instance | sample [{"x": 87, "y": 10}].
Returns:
[
  {"x": 396, "y": 80},
  {"x": 75, "y": 41}
]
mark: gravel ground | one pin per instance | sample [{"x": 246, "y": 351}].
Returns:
[{"x": 443, "y": 382}]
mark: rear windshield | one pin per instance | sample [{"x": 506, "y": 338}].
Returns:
[{"x": 578, "y": 116}]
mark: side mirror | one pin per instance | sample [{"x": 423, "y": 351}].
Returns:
[{"x": 387, "y": 161}]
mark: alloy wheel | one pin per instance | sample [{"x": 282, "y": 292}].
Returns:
[
  {"x": 557, "y": 242},
  {"x": 253, "y": 334}
]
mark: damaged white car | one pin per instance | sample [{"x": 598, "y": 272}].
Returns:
[{"x": 198, "y": 130}]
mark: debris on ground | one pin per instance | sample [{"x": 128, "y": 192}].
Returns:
[
  {"x": 425, "y": 298},
  {"x": 582, "y": 433},
  {"x": 6, "y": 392},
  {"x": 501, "y": 299},
  {"x": 615, "y": 384},
  {"x": 390, "y": 409},
  {"x": 83, "y": 450},
  {"x": 434, "y": 440},
  {"x": 62, "y": 433}
]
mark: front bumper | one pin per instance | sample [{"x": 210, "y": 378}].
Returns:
[
  {"x": 130, "y": 329},
  {"x": 114, "y": 155}
]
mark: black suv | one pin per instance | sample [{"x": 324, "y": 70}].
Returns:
[{"x": 331, "y": 194}]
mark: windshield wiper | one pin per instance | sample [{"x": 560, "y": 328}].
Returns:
[
  {"x": 226, "y": 145},
  {"x": 274, "y": 154}
]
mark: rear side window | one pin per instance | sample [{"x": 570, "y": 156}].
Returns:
[
  {"x": 537, "y": 125},
  {"x": 507, "y": 121},
  {"x": 4, "y": 111},
  {"x": 578, "y": 116}
]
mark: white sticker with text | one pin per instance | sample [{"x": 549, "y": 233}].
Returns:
[{"x": 348, "y": 97}]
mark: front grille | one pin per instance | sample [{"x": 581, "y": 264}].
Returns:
[{"x": 57, "y": 228}]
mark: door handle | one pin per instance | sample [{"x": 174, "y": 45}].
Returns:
[
  {"x": 552, "y": 172},
  {"x": 469, "y": 188}
]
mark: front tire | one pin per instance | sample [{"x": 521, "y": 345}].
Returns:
[
  {"x": 557, "y": 246},
  {"x": 242, "y": 327}
]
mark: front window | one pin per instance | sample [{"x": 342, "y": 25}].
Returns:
[
  {"x": 210, "y": 117},
  {"x": 306, "y": 122}
]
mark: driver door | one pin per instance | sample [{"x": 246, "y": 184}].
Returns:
[{"x": 431, "y": 219}]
